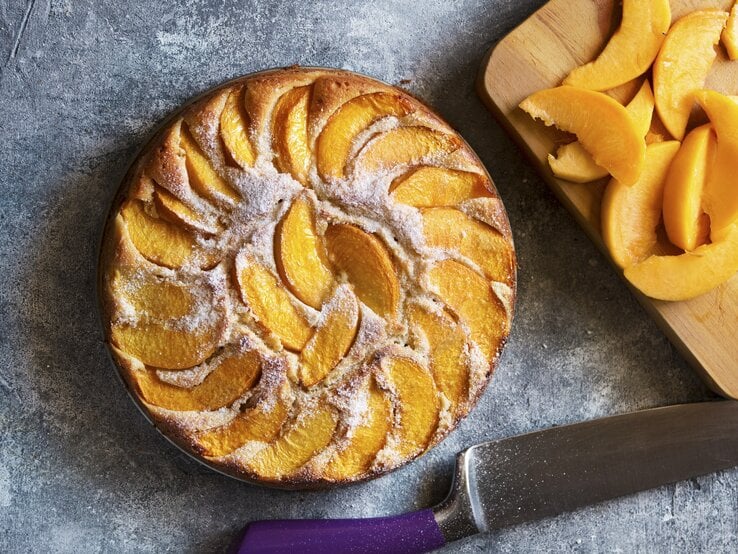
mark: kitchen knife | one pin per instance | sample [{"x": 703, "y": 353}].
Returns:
[{"x": 528, "y": 477}]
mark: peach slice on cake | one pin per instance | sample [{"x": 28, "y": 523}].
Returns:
[
  {"x": 573, "y": 163},
  {"x": 690, "y": 274},
  {"x": 300, "y": 255},
  {"x": 417, "y": 402},
  {"x": 630, "y": 51},
  {"x": 428, "y": 186},
  {"x": 631, "y": 214},
  {"x": 336, "y": 141},
  {"x": 261, "y": 422},
  {"x": 687, "y": 226},
  {"x": 310, "y": 433},
  {"x": 404, "y": 145},
  {"x": 447, "y": 344},
  {"x": 470, "y": 295},
  {"x": 234, "y": 124},
  {"x": 174, "y": 210},
  {"x": 603, "y": 126},
  {"x": 290, "y": 134},
  {"x": 730, "y": 33},
  {"x": 720, "y": 197},
  {"x": 157, "y": 240},
  {"x": 272, "y": 305},
  {"x": 368, "y": 266},
  {"x": 682, "y": 66},
  {"x": 366, "y": 439},
  {"x": 332, "y": 339},
  {"x": 158, "y": 334},
  {"x": 451, "y": 229},
  {"x": 232, "y": 376},
  {"x": 203, "y": 177}
]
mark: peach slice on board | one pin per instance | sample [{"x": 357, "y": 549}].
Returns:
[
  {"x": 447, "y": 343},
  {"x": 730, "y": 33},
  {"x": 368, "y": 266},
  {"x": 470, "y": 295},
  {"x": 336, "y": 141},
  {"x": 428, "y": 186},
  {"x": 272, "y": 305},
  {"x": 332, "y": 339},
  {"x": 631, "y": 50},
  {"x": 232, "y": 377},
  {"x": 404, "y": 145},
  {"x": 684, "y": 219},
  {"x": 418, "y": 404},
  {"x": 175, "y": 211},
  {"x": 573, "y": 163},
  {"x": 690, "y": 274},
  {"x": 157, "y": 337},
  {"x": 366, "y": 439},
  {"x": 203, "y": 177},
  {"x": 603, "y": 126},
  {"x": 234, "y": 124},
  {"x": 261, "y": 422},
  {"x": 310, "y": 434},
  {"x": 720, "y": 197},
  {"x": 157, "y": 240},
  {"x": 300, "y": 255},
  {"x": 631, "y": 214},
  {"x": 682, "y": 66},
  {"x": 290, "y": 134},
  {"x": 451, "y": 229}
]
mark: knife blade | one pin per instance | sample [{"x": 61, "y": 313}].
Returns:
[{"x": 529, "y": 477}]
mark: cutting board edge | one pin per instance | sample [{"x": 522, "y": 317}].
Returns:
[{"x": 729, "y": 390}]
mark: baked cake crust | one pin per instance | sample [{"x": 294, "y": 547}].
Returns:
[{"x": 307, "y": 278}]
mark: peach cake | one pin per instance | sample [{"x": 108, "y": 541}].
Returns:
[{"x": 307, "y": 278}]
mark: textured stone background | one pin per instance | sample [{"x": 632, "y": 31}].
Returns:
[{"x": 82, "y": 85}]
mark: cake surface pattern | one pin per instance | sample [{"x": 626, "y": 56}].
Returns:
[{"x": 307, "y": 278}]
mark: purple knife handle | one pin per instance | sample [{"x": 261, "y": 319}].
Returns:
[{"x": 406, "y": 534}]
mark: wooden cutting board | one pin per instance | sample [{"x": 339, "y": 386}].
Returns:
[{"x": 539, "y": 54}]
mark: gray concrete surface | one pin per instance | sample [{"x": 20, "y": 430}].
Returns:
[{"x": 82, "y": 84}]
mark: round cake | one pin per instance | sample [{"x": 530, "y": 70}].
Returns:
[{"x": 307, "y": 278}]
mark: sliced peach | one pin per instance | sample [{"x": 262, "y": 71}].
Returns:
[
  {"x": 300, "y": 255},
  {"x": 159, "y": 337},
  {"x": 365, "y": 440},
  {"x": 630, "y": 51},
  {"x": 470, "y": 295},
  {"x": 418, "y": 403},
  {"x": 573, "y": 163},
  {"x": 452, "y": 229},
  {"x": 447, "y": 342},
  {"x": 368, "y": 266},
  {"x": 682, "y": 66},
  {"x": 310, "y": 434},
  {"x": 290, "y": 135},
  {"x": 720, "y": 199},
  {"x": 231, "y": 378},
  {"x": 203, "y": 178},
  {"x": 234, "y": 124},
  {"x": 157, "y": 240},
  {"x": 630, "y": 214},
  {"x": 405, "y": 145},
  {"x": 690, "y": 274},
  {"x": 684, "y": 185},
  {"x": 261, "y": 422},
  {"x": 332, "y": 338},
  {"x": 337, "y": 138},
  {"x": 603, "y": 126},
  {"x": 174, "y": 210},
  {"x": 428, "y": 186},
  {"x": 272, "y": 305},
  {"x": 730, "y": 33}
]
